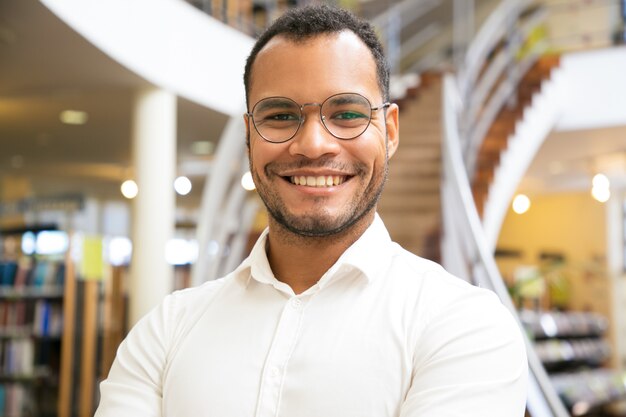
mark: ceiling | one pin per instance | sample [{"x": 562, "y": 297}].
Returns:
[
  {"x": 568, "y": 160},
  {"x": 45, "y": 68}
]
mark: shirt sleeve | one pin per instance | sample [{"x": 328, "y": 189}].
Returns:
[
  {"x": 133, "y": 387},
  {"x": 470, "y": 362}
]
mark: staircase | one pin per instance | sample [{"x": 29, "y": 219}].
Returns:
[
  {"x": 411, "y": 204},
  {"x": 496, "y": 140}
]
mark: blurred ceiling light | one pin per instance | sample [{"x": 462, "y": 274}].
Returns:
[
  {"x": 74, "y": 117},
  {"x": 129, "y": 189},
  {"x": 247, "y": 182},
  {"x": 202, "y": 147},
  {"x": 119, "y": 250},
  {"x": 521, "y": 204},
  {"x": 601, "y": 194},
  {"x": 600, "y": 181},
  {"x": 182, "y": 185},
  {"x": 600, "y": 189},
  {"x": 180, "y": 251}
]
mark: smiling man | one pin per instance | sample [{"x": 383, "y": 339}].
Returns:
[{"x": 327, "y": 317}]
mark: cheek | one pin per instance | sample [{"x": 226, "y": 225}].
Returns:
[
  {"x": 262, "y": 153},
  {"x": 371, "y": 153}
]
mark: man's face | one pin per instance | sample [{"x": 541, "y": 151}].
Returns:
[{"x": 310, "y": 72}]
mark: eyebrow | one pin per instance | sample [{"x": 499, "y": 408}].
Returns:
[
  {"x": 347, "y": 100},
  {"x": 274, "y": 103}
]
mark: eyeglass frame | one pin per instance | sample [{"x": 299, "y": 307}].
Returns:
[{"x": 250, "y": 116}]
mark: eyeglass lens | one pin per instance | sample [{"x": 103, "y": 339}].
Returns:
[{"x": 345, "y": 116}]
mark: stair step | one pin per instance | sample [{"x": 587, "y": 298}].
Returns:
[
  {"x": 405, "y": 205},
  {"x": 417, "y": 152}
]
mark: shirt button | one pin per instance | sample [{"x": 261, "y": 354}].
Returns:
[
  {"x": 274, "y": 372},
  {"x": 296, "y": 303}
]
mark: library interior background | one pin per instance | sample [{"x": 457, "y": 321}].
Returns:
[{"x": 123, "y": 175}]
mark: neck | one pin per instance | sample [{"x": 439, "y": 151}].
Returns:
[{"x": 300, "y": 261}]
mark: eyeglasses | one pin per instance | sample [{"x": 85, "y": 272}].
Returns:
[{"x": 345, "y": 116}]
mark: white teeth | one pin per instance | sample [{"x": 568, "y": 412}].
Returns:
[{"x": 320, "y": 181}]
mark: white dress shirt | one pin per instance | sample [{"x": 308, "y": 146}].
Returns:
[{"x": 383, "y": 333}]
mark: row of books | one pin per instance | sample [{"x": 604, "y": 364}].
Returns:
[
  {"x": 17, "y": 358},
  {"x": 588, "y": 350},
  {"x": 583, "y": 391},
  {"x": 30, "y": 273},
  {"x": 15, "y": 400},
  {"x": 20, "y": 318},
  {"x": 546, "y": 324}
]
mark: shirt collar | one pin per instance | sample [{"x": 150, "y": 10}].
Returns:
[{"x": 370, "y": 255}]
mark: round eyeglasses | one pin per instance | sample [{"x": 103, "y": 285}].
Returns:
[{"x": 345, "y": 116}]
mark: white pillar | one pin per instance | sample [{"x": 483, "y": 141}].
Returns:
[{"x": 154, "y": 157}]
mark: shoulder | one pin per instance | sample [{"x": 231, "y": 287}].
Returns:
[
  {"x": 409, "y": 269},
  {"x": 439, "y": 296},
  {"x": 182, "y": 309}
]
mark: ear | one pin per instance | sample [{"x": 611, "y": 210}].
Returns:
[
  {"x": 246, "y": 122},
  {"x": 392, "y": 123}
]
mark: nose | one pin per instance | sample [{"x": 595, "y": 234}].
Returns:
[{"x": 313, "y": 140}]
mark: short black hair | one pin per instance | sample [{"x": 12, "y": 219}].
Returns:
[{"x": 303, "y": 23}]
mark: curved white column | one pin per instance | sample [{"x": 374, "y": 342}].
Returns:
[{"x": 154, "y": 154}]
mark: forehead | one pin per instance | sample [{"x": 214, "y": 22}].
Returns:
[{"x": 315, "y": 68}]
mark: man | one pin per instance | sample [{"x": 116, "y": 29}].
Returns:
[{"x": 327, "y": 317}]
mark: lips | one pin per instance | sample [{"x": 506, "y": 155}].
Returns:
[{"x": 319, "y": 181}]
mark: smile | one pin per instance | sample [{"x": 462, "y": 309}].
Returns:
[{"x": 318, "y": 181}]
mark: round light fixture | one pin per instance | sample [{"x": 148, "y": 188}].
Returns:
[
  {"x": 600, "y": 181},
  {"x": 247, "y": 182},
  {"x": 602, "y": 194},
  {"x": 600, "y": 189},
  {"x": 129, "y": 189},
  {"x": 182, "y": 185},
  {"x": 521, "y": 204}
]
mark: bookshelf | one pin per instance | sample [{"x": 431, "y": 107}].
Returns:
[
  {"x": 31, "y": 324},
  {"x": 575, "y": 352},
  {"x": 59, "y": 331}
]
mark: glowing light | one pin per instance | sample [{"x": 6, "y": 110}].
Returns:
[
  {"x": 51, "y": 242},
  {"x": 28, "y": 243},
  {"x": 119, "y": 251},
  {"x": 182, "y": 185},
  {"x": 129, "y": 189},
  {"x": 601, "y": 188},
  {"x": 601, "y": 194},
  {"x": 181, "y": 251},
  {"x": 247, "y": 182},
  {"x": 600, "y": 181},
  {"x": 521, "y": 204},
  {"x": 74, "y": 117}
]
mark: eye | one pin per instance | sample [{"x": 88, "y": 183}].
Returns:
[
  {"x": 281, "y": 117},
  {"x": 349, "y": 115}
]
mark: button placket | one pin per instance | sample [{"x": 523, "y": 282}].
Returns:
[{"x": 278, "y": 356}]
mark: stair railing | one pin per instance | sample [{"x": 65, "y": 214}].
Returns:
[
  {"x": 486, "y": 89},
  {"x": 484, "y": 84},
  {"x": 226, "y": 215},
  {"x": 464, "y": 247}
]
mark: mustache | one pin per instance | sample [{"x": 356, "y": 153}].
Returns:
[{"x": 324, "y": 162}]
